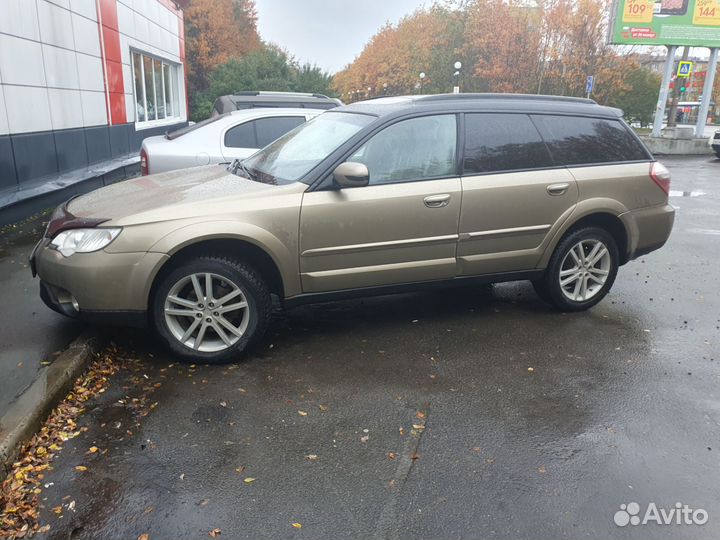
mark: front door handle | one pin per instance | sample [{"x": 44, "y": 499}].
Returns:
[
  {"x": 558, "y": 189},
  {"x": 437, "y": 201}
]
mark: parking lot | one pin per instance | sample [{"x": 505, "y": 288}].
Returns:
[{"x": 458, "y": 413}]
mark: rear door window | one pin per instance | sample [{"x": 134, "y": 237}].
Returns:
[
  {"x": 579, "y": 140},
  {"x": 241, "y": 136},
  {"x": 502, "y": 142},
  {"x": 269, "y": 129}
]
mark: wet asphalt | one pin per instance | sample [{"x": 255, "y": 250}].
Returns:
[
  {"x": 528, "y": 423},
  {"x": 30, "y": 334}
]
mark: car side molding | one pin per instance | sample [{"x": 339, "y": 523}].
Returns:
[{"x": 460, "y": 281}]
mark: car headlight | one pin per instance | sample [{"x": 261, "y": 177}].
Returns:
[{"x": 83, "y": 240}]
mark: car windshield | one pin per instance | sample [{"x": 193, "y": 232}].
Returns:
[{"x": 294, "y": 154}]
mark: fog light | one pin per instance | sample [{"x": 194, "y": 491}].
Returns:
[{"x": 75, "y": 304}]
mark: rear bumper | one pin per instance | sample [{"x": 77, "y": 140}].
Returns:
[{"x": 649, "y": 228}]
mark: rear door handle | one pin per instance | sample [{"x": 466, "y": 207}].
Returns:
[
  {"x": 558, "y": 189},
  {"x": 437, "y": 201}
]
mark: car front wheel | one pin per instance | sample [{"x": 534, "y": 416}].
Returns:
[
  {"x": 211, "y": 308},
  {"x": 581, "y": 271}
]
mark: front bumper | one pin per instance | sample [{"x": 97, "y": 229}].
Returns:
[
  {"x": 649, "y": 228},
  {"x": 98, "y": 285},
  {"x": 60, "y": 300}
]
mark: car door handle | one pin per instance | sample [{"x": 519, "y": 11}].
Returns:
[
  {"x": 558, "y": 189},
  {"x": 437, "y": 201}
]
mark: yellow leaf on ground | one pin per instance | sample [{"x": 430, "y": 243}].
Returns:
[
  {"x": 249, "y": 480},
  {"x": 81, "y": 468},
  {"x": 297, "y": 525},
  {"x": 144, "y": 536},
  {"x": 302, "y": 413}
]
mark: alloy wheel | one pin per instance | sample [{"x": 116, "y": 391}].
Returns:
[
  {"x": 206, "y": 312},
  {"x": 584, "y": 270}
]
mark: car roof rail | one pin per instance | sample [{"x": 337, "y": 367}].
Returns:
[
  {"x": 272, "y": 93},
  {"x": 519, "y": 97}
]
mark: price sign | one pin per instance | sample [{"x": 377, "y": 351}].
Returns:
[
  {"x": 707, "y": 12},
  {"x": 638, "y": 11}
]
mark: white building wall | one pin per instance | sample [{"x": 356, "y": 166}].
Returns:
[{"x": 51, "y": 74}]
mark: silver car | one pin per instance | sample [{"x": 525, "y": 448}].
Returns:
[{"x": 219, "y": 139}]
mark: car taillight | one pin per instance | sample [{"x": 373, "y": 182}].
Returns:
[
  {"x": 144, "y": 168},
  {"x": 661, "y": 176}
]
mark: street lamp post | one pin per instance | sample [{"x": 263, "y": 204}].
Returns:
[
  {"x": 422, "y": 79},
  {"x": 456, "y": 76},
  {"x": 384, "y": 89}
]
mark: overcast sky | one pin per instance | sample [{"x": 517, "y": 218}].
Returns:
[{"x": 329, "y": 33}]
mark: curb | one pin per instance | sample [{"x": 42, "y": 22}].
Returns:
[{"x": 27, "y": 414}]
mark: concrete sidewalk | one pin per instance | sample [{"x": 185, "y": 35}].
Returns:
[{"x": 30, "y": 333}]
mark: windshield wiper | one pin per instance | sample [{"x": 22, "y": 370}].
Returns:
[{"x": 238, "y": 164}]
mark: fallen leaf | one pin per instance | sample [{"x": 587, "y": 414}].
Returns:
[
  {"x": 240, "y": 469},
  {"x": 323, "y": 408},
  {"x": 223, "y": 404},
  {"x": 391, "y": 455},
  {"x": 541, "y": 470},
  {"x": 81, "y": 468},
  {"x": 311, "y": 457},
  {"x": 249, "y": 480},
  {"x": 144, "y": 536},
  {"x": 92, "y": 449},
  {"x": 57, "y": 510},
  {"x": 420, "y": 415},
  {"x": 531, "y": 369},
  {"x": 302, "y": 413},
  {"x": 214, "y": 533},
  {"x": 297, "y": 525},
  {"x": 414, "y": 456},
  {"x": 365, "y": 438}
]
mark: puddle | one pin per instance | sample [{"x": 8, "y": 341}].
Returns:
[{"x": 696, "y": 193}]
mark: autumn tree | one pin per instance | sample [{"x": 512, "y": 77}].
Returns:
[
  {"x": 529, "y": 46},
  {"x": 215, "y": 32}
]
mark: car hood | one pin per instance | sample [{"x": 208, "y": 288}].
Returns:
[{"x": 182, "y": 193}]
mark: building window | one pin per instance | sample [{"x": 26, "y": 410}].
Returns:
[{"x": 156, "y": 89}]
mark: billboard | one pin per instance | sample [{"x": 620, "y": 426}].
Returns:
[{"x": 693, "y": 23}]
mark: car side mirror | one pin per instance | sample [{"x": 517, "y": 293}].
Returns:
[{"x": 351, "y": 174}]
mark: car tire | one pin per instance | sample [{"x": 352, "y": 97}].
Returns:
[
  {"x": 586, "y": 275},
  {"x": 234, "y": 315}
]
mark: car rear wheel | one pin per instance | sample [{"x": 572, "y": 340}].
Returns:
[
  {"x": 581, "y": 271},
  {"x": 211, "y": 308}
]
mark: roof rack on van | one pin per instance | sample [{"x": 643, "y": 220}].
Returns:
[
  {"x": 266, "y": 93},
  {"x": 527, "y": 97}
]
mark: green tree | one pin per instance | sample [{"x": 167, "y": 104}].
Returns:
[
  {"x": 639, "y": 97},
  {"x": 268, "y": 69}
]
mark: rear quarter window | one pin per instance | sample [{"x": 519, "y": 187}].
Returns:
[{"x": 579, "y": 140}]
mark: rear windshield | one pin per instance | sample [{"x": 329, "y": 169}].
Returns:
[
  {"x": 579, "y": 140},
  {"x": 172, "y": 135}
]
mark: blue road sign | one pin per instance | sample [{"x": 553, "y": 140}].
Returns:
[
  {"x": 589, "y": 84},
  {"x": 684, "y": 69}
]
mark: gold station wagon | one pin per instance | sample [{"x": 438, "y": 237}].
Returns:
[{"x": 375, "y": 197}]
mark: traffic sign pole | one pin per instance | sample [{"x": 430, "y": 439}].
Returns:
[
  {"x": 664, "y": 88},
  {"x": 707, "y": 94}
]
